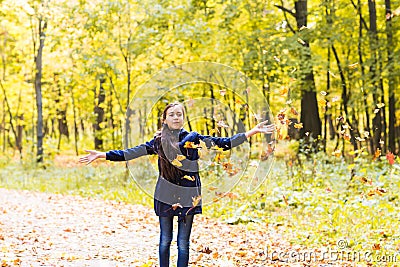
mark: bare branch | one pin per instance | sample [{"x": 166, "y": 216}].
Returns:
[{"x": 285, "y": 10}]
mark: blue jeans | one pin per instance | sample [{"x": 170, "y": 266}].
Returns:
[{"x": 184, "y": 229}]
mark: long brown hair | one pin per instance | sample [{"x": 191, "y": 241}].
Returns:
[{"x": 168, "y": 147}]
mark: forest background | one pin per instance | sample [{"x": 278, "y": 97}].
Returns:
[{"x": 328, "y": 69}]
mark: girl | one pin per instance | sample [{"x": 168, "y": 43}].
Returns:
[{"x": 178, "y": 188}]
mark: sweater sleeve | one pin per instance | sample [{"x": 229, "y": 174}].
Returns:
[
  {"x": 225, "y": 143},
  {"x": 131, "y": 153}
]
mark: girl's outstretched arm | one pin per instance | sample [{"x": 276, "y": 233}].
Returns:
[
  {"x": 93, "y": 155},
  {"x": 261, "y": 128}
]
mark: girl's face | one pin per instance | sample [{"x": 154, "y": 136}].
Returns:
[{"x": 174, "y": 117}]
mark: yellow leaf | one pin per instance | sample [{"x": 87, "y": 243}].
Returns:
[
  {"x": 196, "y": 200},
  {"x": 283, "y": 91},
  {"x": 176, "y": 205},
  {"x": 190, "y": 145},
  {"x": 298, "y": 125},
  {"x": 219, "y": 157},
  {"x": 190, "y": 178},
  {"x": 353, "y": 66},
  {"x": 301, "y": 41},
  {"x": 380, "y": 105},
  {"x": 322, "y": 102},
  {"x": 176, "y": 163},
  {"x": 222, "y": 124},
  {"x": 180, "y": 157}
]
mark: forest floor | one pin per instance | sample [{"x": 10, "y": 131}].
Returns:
[{"x": 42, "y": 229}]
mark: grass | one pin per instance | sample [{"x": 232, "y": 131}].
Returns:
[{"x": 318, "y": 202}]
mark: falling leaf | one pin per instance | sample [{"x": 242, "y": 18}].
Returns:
[
  {"x": 190, "y": 145},
  {"x": 381, "y": 142},
  {"x": 283, "y": 91},
  {"x": 213, "y": 131},
  {"x": 277, "y": 59},
  {"x": 265, "y": 51},
  {"x": 307, "y": 133},
  {"x": 353, "y": 66},
  {"x": 324, "y": 93},
  {"x": 346, "y": 136},
  {"x": 390, "y": 158},
  {"x": 219, "y": 157},
  {"x": 337, "y": 153},
  {"x": 360, "y": 139},
  {"x": 332, "y": 74},
  {"x": 322, "y": 102},
  {"x": 258, "y": 117},
  {"x": 190, "y": 178},
  {"x": 334, "y": 99},
  {"x": 289, "y": 102},
  {"x": 285, "y": 200},
  {"x": 217, "y": 148},
  {"x": 301, "y": 41},
  {"x": 298, "y": 125},
  {"x": 377, "y": 154},
  {"x": 196, "y": 200},
  {"x": 176, "y": 163},
  {"x": 176, "y": 205},
  {"x": 293, "y": 70},
  {"x": 222, "y": 124},
  {"x": 376, "y": 110},
  {"x": 180, "y": 157},
  {"x": 212, "y": 188},
  {"x": 303, "y": 28},
  {"x": 380, "y": 105},
  {"x": 222, "y": 92}
]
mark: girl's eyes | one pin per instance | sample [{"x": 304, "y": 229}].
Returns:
[{"x": 177, "y": 114}]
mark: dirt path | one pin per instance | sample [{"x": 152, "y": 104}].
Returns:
[{"x": 39, "y": 229}]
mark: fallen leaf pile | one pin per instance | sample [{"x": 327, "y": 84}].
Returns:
[{"x": 40, "y": 229}]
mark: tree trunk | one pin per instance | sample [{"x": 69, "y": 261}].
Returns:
[
  {"x": 3, "y": 126},
  {"x": 99, "y": 113},
  {"x": 365, "y": 95},
  {"x": 392, "y": 80},
  {"x": 309, "y": 106},
  {"x": 377, "y": 120},
  {"x": 75, "y": 122},
  {"x": 38, "y": 91}
]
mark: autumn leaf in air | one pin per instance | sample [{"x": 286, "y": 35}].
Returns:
[
  {"x": 176, "y": 205},
  {"x": 377, "y": 154},
  {"x": 222, "y": 124},
  {"x": 294, "y": 111},
  {"x": 190, "y": 178},
  {"x": 390, "y": 158},
  {"x": 190, "y": 145},
  {"x": 353, "y": 66},
  {"x": 180, "y": 157},
  {"x": 176, "y": 163},
  {"x": 283, "y": 92},
  {"x": 298, "y": 125}
]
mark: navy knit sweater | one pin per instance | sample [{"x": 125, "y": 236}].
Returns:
[{"x": 166, "y": 193}]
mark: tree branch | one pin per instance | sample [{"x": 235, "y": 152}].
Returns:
[
  {"x": 362, "y": 20},
  {"x": 285, "y": 10}
]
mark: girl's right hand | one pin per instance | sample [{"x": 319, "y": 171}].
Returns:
[{"x": 93, "y": 155}]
